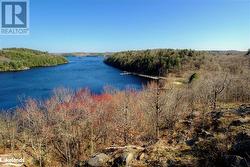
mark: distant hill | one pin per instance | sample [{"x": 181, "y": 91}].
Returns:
[
  {"x": 224, "y": 52},
  {"x": 85, "y": 53},
  {"x": 152, "y": 62},
  {"x": 16, "y": 59},
  {"x": 156, "y": 62}
]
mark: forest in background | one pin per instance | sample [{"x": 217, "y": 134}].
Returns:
[
  {"x": 16, "y": 59},
  {"x": 155, "y": 62},
  {"x": 160, "y": 62}
]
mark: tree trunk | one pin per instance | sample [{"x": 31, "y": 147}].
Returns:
[
  {"x": 215, "y": 101},
  {"x": 157, "y": 110}
]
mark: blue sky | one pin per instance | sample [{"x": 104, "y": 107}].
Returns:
[{"x": 114, "y": 25}]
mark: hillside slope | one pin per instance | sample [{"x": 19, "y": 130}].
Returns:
[
  {"x": 16, "y": 59},
  {"x": 153, "y": 62}
]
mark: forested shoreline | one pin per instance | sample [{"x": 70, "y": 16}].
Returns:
[
  {"x": 156, "y": 62},
  {"x": 16, "y": 59}
]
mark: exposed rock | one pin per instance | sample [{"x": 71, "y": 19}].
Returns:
[
  {"x": 119, "y": 161},
  {"x": 238, "y": 122},
  {"x": 216, "y": 115},
  {"x": 124, "y": 159},
  {"x": 129, "y": 157},
  {"x": 244, "y": 109},
  {"x": 142, "y": 156},
  {"x": 158, "y": 154},
  {"x": 234, "y": 160},
  {"x": 206, "y": 147},
  {"x": 123, "y": 156},
  {"x": 98, "y": 160},
  {"x": 205, "y": 134}
]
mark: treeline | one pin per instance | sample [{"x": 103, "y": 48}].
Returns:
[
  {"x": 152, "y": 62},
  {"x": 14, "y": 59}
]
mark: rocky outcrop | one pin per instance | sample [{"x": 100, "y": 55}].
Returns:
[
  {"x": 157, "y": 154},
  {"x": 123, "y": 156},
  {"x": 244, "y": 109},
  {"x": 224, "y": 141},
  {"x": 239, "y": 122},
  {"x": 98, "y": 160},
  {"x": 115, "y": 157}
]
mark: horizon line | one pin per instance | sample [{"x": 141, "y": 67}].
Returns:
[{"x": 133, "y": 49}]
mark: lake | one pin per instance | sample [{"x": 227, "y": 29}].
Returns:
[{"x": 80, "y": 72}]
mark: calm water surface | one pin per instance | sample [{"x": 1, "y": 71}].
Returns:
[{"x": 80, "y": 72}]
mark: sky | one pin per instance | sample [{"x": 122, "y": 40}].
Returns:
[{"x": 115, "y": 25}]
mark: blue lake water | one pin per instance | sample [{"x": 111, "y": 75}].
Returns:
[{"x": 80, "y": 72}]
